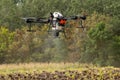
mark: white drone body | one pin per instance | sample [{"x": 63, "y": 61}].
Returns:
[
  {"x": 55, "y": 23},
  {"x": 57, "y": 14}
]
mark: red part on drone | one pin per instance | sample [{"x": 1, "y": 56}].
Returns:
[{"x": 62, "y": 21}]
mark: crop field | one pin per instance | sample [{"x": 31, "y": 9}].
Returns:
[{"x": 57, "y": 71}]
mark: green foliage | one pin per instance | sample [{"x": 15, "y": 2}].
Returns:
[
  {"x": 98, "y": 32},
  {"x": 99, "y": 44},
  {"x": 6, "y": 38},
  {"x": 102, "y": 44}
]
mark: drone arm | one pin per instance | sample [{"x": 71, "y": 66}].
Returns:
[
  {"x": 76, "y": 17},
  {"x": 42, "y": 21},
  {"x": 83, "y": 17}
]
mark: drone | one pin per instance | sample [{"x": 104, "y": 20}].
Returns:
[{"x": 56, "y": 21}]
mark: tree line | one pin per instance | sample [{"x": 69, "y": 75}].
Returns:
[{"x": 99, "y": 44}]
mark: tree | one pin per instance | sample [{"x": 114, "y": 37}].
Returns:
[{"x": 6, "y": 38}]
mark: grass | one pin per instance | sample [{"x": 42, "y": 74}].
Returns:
[{"x": 31, "y": 67}]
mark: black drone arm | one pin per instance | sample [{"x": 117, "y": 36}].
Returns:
[
  {"x": 35, "y": 20},
  {"x": 76, "y": 17},
  {"x": 31, "y": 20}
]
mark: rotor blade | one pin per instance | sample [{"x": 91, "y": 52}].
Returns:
[{"x": 28, "y": 18}]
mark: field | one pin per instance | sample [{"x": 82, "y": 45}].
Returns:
[{"x": 57, "y": 71}]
